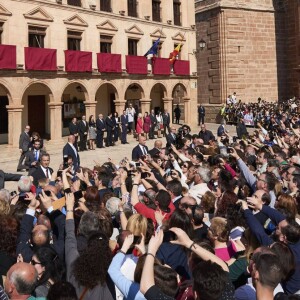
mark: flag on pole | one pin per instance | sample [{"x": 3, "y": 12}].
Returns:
[
  {"x": 153, "y": 50},
  {"x": 173, "y": 54}
]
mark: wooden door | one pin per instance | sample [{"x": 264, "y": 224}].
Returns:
[{"x": 36, "y": 114}]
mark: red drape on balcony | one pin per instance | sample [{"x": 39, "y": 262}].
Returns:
[
  {"x": 78, "y": 61},
  {"x": 40, "y": 59},
  {"x": 109, "y": 63},
  {"x": 136, "y": 64},
  {"x": 8, "y": 57},
  {"x": 181, "y": 67},
  {"x": 160, "y": 66}
]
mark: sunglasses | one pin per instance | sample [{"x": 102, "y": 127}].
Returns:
[{"x": 33, "y": 262}]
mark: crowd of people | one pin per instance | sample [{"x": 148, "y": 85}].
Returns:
[{"x": 190, "y": 216}]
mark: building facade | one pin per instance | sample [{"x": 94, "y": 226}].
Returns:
[
  {"x": 252, "y": 48},
  {"x": 66, "y": 58}
]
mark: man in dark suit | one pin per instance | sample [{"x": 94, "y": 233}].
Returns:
[
  {"x": 109, "y": 128},
  {"x": 43, "y": 170},
  {"x": 156, "y": 150},
  {"x": 70, "y": 150},
  {"x": 166, "y": 122},
  {"x": 100, "y": 126},
  {"x": 201, "y": 114},
  {"x": 124, "y": 126},
  {"x": 139, "y": 150},
  {"x": 221, "y": 129},
  {"x": 153, "y": 124},
  {"x": 171, "y": 137},
  {"x": 8, "y": 177},
  {"x": 83, "y": 128},
  {"x": 33, "y": 157},
  {"x": 73, "y": 129},
  {"x": 24, "y": 142},
  {"x": 205, "y": 135}
]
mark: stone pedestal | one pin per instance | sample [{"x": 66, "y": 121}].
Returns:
[
  {"x": 145, "y": 105},
  {"x": 120, "y": 106},
  {"x": 55, "y": 121},
  {"x": 14, "y": 124}
]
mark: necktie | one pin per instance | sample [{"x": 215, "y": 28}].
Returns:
[
  {"x": 144, "y": 150},
  {"x": 36, "y": 155},
  {"x": 47, "y": 173}
]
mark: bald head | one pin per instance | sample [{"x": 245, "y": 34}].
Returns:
[
  {"x": 40, "y": 235},
  {"x": 142, "y": 140},
  {"x": 21, "y": 281},
  {"x": 158, "y": 144},
  {"x": 71, "y": 139}
]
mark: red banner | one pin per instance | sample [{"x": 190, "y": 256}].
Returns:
[
  {"x": 160, "y": 66},
  {"x": 8, "y": 57},
  {"x": 136, "y": 64},
  {"x": 40, "y": 59},
  {"x": 181, "y": 67},
  {"x": 109, "y": 63},
  {"x": 78, "y": 61}
]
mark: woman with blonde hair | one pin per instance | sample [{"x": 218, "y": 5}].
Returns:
[
  {"x": 139, "y": 126},
  {"x": 137, "y": 225}
]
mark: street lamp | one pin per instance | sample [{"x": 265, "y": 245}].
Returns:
[{"x": 202, "y": 44}]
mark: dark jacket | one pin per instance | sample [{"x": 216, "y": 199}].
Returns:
[
  {"x": 73, "y": 128},
  {"x": 24, "y": 141},
  {"x": 30, "y": 158},
  {"x": 166, "y": 119},
  {"x": 137, "y": 152},
  {"x": 83, "y": 128},
  {"x": 8, "y": 177},
  {"x": 67, "y": 150},
  {"x": 39, "y": 174},
  {"x": 170, "y": 140},
  {"x": 206, "y": 136},
  {"x": 100, "y": 125},
  {"x": 241, "y": 130}
]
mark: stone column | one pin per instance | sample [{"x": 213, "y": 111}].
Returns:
[
  {"x": 145, "y": 105},
  {"x": 120, "y": 106},
  {"x": 187, "y": 110},
  {"x": 14, "y": 124},
  {"x": 90, "y": 109},
  {"x": 55, "y": 121},
  {"x": 168, "y": 106}
]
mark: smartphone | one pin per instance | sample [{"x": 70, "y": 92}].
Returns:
[
  {"x": 136, "y": 240},
  {"x": 144, "y": 175},
  {"x": 59, "y": 173},
  {"x": 66, "y": 162},
  {"x": 229, "y": 150},
  {"x": 13, "y": 193},
  {"x": 169, "y": 236},
  {"x": 78, "y": 195},
  {"x": 48, "y": 193},
  {"x": 137, "y": 164}
]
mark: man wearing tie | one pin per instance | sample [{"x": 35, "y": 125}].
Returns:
[
  {"x": 83, "y": 131},
  {"x": 124, "y": 126},
  {"x": 24, "y": 142},
  {"x": 100, "y": 126},
  {"x": 73, "y": 128},
  {"x": 109, "y": 127},
  {"x": 43, "y": 170},
  {"x": 153, "y": 124},
  {"x": 33, "y": 157},
  {"x": 139, "y": 150},
  {"x": 171, "y": 137},
  {"x": 166, "y": 122},
  {"x": 70, "y": 150}
]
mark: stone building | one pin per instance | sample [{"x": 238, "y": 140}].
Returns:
[
  {"x": 66, "y": 58},
  {"x": 252, "y": 48}
]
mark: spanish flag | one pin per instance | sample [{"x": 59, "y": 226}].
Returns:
[{"x": 172, "y": 56}]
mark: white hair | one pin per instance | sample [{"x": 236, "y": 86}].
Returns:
[
  {"x": 4, "y": 195},
  {"x": 24, "y": 184},
  {"x": 112, "y": 205},
  {"x": 205, "y": 174}
]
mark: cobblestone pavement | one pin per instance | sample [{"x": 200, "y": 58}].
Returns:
[{"x": 9, "y": 157}]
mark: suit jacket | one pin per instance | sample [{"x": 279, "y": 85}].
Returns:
[
  {"x": 24, "y": 141},
  {"x": 100, "y": 125},
  {"x": 153, "y": 119},
  {"x": 39, "y": 174},
  {"x": 124, "y": 121},
  {"x": 201, "y": 110},
  {"x": 73, "y": 128},
  {"x": 83, "y": 128},
  {"x": 109, "y": 123},
  {"x": 221, "y": 130},
  {"x": 170, "y": 140},
  {"x": 68, "y": 150},
  {"x": 30, "y": 158},
  {"x": 8, "y": 177},
  {"x": 137, "y": 152},
  {"x": 166, "y": 119}
]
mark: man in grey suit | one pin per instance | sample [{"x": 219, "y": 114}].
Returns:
[
  {"x": 33, "y": 156},
  {"x": 24, "y": 142}
]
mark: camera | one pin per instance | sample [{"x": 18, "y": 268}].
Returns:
[{"x": 66, "y": 162}]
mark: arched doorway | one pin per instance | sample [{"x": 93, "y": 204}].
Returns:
[
  {"x": 36, "y": 112},
  {"x": 133, "y": 95},
  {"x": 158, "y": 92},
  {"x": 4, "y": 95},
  {"x": 178, "y": 93},
  {"x": 105, "y": 96},
  {"x": 73, "y": 99}
]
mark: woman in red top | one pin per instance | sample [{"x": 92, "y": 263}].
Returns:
[
  {"x": 147, "y": 124},
  {"x": 139, "y": 126}
]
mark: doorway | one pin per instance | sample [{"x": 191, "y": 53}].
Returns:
[{"x": 37, "y": 114}]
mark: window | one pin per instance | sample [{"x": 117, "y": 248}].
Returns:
[
  {"x": 132, "y": 8},
  {"x": 176, "y": 10},
  {"x": 74, "y": 2},
  {"x": 105, "y": 5},
  {"x": 74, "y": 39},
  {"x": 36, "y": 36},
  {"x": 105, "y": 43},
  {"x": 132, "y": 47},
  {"x": 156, "y": 10}
]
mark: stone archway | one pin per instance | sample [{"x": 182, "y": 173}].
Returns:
[
  {"x": 36, "y": 113},
  {"x": 106, "y": 97},
  {"x": 4, "y": 124},
  {"x": 157, "y": 95},
  {"x": 73, "y": 104},
  {"x": 179, "y": 94},
  {"x": 134, "y": 95}
]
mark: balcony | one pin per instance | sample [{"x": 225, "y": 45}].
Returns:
[{"x": 74, "y": 2}]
